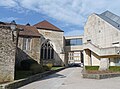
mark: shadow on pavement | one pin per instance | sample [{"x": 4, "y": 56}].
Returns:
[{"x": 53, "y": 76}]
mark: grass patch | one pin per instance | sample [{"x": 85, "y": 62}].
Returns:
[
  {"x": 114, "y": 68},
  {"x": 56, "y": 68},
  {"x": 95, "y": 69},
  {"x": 91, "y": 67},
  {"x": 22, "y": 74}
]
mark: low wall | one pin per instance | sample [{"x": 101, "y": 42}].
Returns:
[
  {"x": 22, "y": 82},
  {"x": 100, "y": 76}
]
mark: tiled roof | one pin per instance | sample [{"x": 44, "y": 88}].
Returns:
[
  {"x": 27, "y": 30},
  {"x": 47, "y": 26},
  {"x": 111, "y": 18}
]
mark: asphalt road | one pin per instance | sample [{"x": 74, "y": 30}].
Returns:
[{"x": 70, "y": 78}]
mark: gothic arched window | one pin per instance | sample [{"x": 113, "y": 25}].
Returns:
[{"x": 47, "y": 51}]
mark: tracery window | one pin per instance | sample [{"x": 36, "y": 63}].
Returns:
[{"x": 47, "y": 51}]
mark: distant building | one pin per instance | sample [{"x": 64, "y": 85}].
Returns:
[{"x": 74, "y": 49}]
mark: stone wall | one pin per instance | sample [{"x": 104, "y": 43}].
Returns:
[
  {"x": 33, "y": 53},
  {"x": 7, "y": 55},
  {"x": 57, "y": 40}
]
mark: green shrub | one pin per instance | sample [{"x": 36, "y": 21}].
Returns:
[
  {"x": 114, "y": 68},
  {"x": 56, "y": 68},
  {"x": 91, "y": 67},
  {"x": 26, "y": 64},
  {"x": 49, "y": 65}
]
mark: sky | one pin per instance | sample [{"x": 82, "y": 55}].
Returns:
[{"x": 68, "y": 15}]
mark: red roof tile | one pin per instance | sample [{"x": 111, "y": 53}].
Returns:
[
  {"x": 27, "y": 30},
  {"x": 47, "y": 26}
]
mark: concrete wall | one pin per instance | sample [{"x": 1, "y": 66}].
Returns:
[
  {"x": 57, "y": 40},
  {"x": 7, "y": 55},
  {"x": 95, "y": 59},
  {"x": 87, "y": 59},
  {"x": 101, "y": 34}
]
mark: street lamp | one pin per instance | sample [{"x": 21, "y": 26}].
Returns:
[
  {"x": 13, "y": 26},
  {"x": 14, "y": 29}
]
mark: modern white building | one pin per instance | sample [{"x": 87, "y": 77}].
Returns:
[
  {"x": 102, "y": 39},
  {"x": 74, "y": 49}
]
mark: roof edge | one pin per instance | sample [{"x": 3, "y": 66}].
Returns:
[{"x": 50, "y": 29}]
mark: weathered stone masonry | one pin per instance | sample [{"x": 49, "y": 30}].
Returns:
[{"x": 7, "y": 55}]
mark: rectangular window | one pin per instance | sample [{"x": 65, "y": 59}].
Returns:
[
  {"x": 72, "y": 42},
  {"x": 88, "y": 40},
  {"x": 117, "y": 60},
  {"x": 26, "y": 43},
  {"x": 116, "y": 44},
  {"x": 29, "y": 44}
]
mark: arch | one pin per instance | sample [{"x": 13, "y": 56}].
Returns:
[{"x": 47, "y": 50}]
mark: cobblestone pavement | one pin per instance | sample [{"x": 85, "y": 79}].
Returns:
[{"x": 70, "y": 78}]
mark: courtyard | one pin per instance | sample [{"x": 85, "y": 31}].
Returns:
[{"x": 70, "y": 78}]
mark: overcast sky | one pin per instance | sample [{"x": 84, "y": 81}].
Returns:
[{"x": 68, "y": 15}]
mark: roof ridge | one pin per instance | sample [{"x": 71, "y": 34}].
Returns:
[{"x": 47, "y": 25}]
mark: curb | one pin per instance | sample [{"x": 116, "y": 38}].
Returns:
[{"x": 22, "y": 82}]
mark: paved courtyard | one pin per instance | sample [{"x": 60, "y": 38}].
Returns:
[{"x": 70, "y": 78}]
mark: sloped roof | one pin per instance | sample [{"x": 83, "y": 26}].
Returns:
[
  {"x": 47, "y": 26},
  {"x": 111, "y": 18},
  {"x": 27, "y": 30}
]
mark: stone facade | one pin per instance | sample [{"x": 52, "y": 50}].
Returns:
[
  {"x": 7, "y": 55},
  {"x": 101, "y": 40},
  {"x": 57, "y": 40},
  {"x": 32, "y": 53}
]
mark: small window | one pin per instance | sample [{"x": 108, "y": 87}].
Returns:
[
  {"x": 116, "y": 44},
  {"x": 89, "y": 40},
  {"x": 26, "y": 43}
]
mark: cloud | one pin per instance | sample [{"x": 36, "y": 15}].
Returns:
[
  {"x": 8, "y": 19},
  {"x": 69, "y": 11},
  {"x": 8, "y": 3}
]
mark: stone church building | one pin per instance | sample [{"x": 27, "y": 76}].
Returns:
[{"x": 42, "y": 42}]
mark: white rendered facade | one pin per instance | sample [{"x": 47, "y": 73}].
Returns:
[{"x": 102, "y": 39}]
